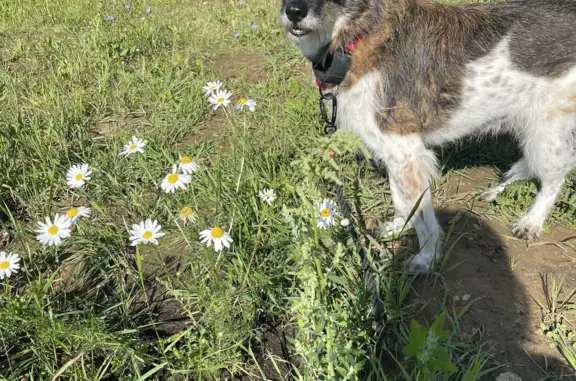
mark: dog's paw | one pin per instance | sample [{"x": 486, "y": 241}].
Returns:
[
  {"x": 527, "y": 229},
  {"x": 395, "y": 228},
  {"x": 421, "y": 263},
  {"x": 489, "y": 195}
]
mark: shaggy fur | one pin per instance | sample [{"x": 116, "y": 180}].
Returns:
[{"x": 427, "y": 74}]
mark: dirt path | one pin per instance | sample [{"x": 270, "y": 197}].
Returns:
[{"x": 501, "y": 275}]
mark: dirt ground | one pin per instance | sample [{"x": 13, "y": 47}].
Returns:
[{"x": 480, "y": 266}]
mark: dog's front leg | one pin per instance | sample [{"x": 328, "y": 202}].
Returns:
[{"x": 411, "y": 167}]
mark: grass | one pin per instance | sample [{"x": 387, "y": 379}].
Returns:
[
  {"x": 558, "y": 312},
  {"x": 74, "y": 88}
]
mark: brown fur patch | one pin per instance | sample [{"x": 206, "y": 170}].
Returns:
[
  {"x": 561, "y": 112},
  {"x": 412, "y": 187},
  {"x": 421, "y": 50}
]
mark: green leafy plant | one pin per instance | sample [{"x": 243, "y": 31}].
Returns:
[{"x": 427, "y": 347}]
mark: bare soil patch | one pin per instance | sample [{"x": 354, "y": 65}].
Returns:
[
  {"x": 501, "y": 275},
  {"x": 246, "y": 65}
]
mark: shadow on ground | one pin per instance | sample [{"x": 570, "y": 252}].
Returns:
[{"x": 478, "y": 267}]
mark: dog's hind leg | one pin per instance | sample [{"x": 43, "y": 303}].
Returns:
[
  {"x": 411, "y": 167},
  {"x": 550, "y": 153},
  {"x": 519, "y": 171}
]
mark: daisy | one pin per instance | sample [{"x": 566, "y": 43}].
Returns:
[
  {"x": 175, "y": 180},
  {"x": 52, "y": 233},
  {"x": 76, "y": 212},
  {"x": 211, "y": 87},
  {"x": 77, "y": 175},
  {"x": 250, "y": 103},
  {"x": 187, "y": 165},
  {"x": 267, "y": 195},
  {"x": 217, "y": 235},
  {"x": 8, "y": 264},
  {"x": 327, "y": 210},
  {"x": 144, "y": 232},
  {"x": 220, "y": 98},
  {"x": 135, "y": 145},
  {"x": 187, "y": 215}
]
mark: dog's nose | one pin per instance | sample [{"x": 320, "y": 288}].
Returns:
[{"x": 296, "y": 11}]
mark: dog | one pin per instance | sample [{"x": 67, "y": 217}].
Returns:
[{"x": 423, "y": 74}]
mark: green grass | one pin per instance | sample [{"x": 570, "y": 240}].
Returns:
[{"x": 74, "y": 88}]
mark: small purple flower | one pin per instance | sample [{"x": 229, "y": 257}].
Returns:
[
  {"x": 127, "y": 6},
  {"x": 237, "y": 34},
  {"x": 254, "y": 26},
  {"x": 110, "y": 18},
  {"x": 148, "y": 10}
]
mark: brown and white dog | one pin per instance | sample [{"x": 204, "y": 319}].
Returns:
[{"x": 425, "y": 74}]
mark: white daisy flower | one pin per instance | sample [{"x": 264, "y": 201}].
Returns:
[
  {"x": 135, "y": 145},
  {"x": 220, "y": 98},
  {"x": 175, "y": 180},
  {"x": 145, "y": 232},
  {"x": 187, "y": 215},
  {"x": 76, "y": 212},
  {"x": 52, "y": 233},
  {"x": 267, "y": 195},
  {"x": 250, "y": 103},
  {"x": 8, "y": 264},
  {"x": 326, "y": 212},
  {"x": 217, "y": 235},
  {"x": 187, "y": 165},
  {"x": 211, "y": 87},
  {"x": 77, "y": 175}
]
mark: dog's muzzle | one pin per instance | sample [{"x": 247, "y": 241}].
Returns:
[{"x": 296, "y": 11}]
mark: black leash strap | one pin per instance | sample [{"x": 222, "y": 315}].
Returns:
[{"x": 367, "y": 271}]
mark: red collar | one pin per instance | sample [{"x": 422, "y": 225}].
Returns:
[{"x": 354, "y": 44}]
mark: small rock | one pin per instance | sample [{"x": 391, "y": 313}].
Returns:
[
  {"x": 508, "y": 376},
  {"x": 456, "y": 298},
  {"x": 466, "y": 297}
]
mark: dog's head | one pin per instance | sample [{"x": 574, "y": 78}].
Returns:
[
  {"x": 304, "y": 17},
  {"x": 312, "y": 24}
]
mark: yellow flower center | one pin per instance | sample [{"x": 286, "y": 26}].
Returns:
[
  {"x": 53, "y": 230},
  {"x": 217, "y": 232},
  {"x": 4, "y": 265},
  {"x": 79, "y": 177},
  {"x": 186, "y": 211},
  {"x": 185, "y": 160},
  {"x": 132, "y": 147},
  {"x": 72, "y": 213},
  {"x": 242, "y": 101},
  {"x": 325, "y": 213},
  {"x": 220, "y": 100},
  {"x": 172, "y": 178},
  {"x": 147, "y": 235}
]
